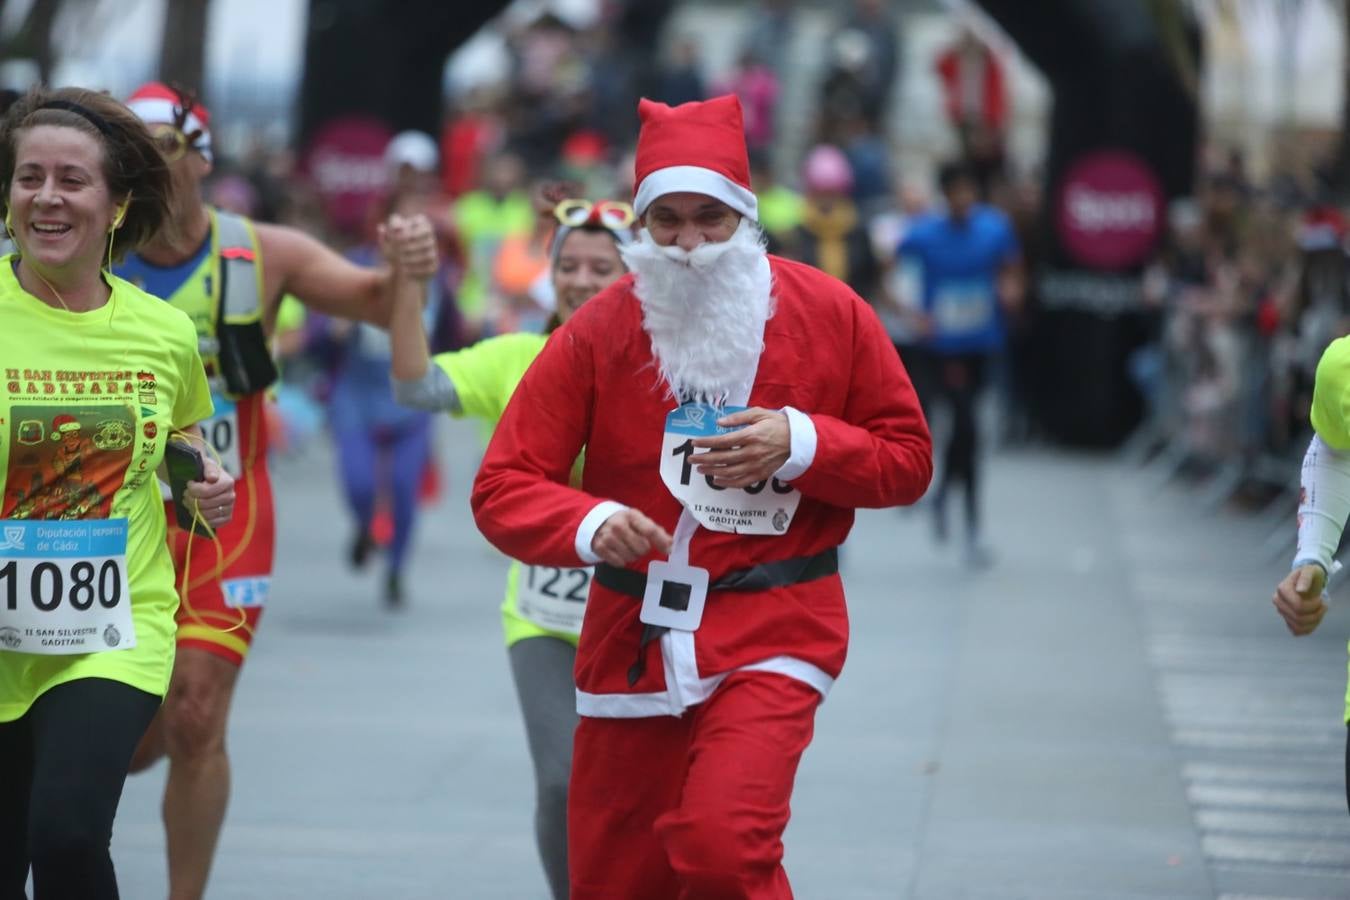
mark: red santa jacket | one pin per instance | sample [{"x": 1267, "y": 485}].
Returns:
[{"x": 596, "y": 385}]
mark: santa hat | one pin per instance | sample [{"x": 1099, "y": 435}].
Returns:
[
  {"x": 157, "y": 103},
  {"x": 64, "y": 423},
  {"x": 1322, "y": 228},
  {"x": 693, "y": 147}
]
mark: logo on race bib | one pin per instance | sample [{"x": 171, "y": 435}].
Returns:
[
  {"x": 111, "y": 636},
  {"x": 689, "y": 417},
  {"x": 780, "y": 520},
  {"x": 10, "y": 637},
  {"x": 13, "y": 538}
]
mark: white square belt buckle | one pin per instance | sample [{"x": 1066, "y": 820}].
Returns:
[{"x": 675, "y": 596}]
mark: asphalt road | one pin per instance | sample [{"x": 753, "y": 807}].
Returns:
[{"x": 1112, "y": 712}]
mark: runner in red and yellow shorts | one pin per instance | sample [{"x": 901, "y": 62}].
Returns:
[
  {"x": 228, "y": 274},
  {"x": 228, "y": 579}
]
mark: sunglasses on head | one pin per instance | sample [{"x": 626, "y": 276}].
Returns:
[
  {"x": 172, "y": 143},
  {"x": 612, "y": 214}
]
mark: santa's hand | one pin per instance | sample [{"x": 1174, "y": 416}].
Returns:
[
  {"x": 1298, "y": 599},
  {"x": 213, "y": 496},
  {"x": 749, "y": 455},
  {"x": 627, "y": 536}
]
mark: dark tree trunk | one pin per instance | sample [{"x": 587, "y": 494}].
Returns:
[
  {"x": 1340, "y": 172},
  {"x": 1122, "y": 78},
  {"x": 382, "y": 59},
  {"x": 33, "y": 39},
  {"x": 182, "y": 50}
]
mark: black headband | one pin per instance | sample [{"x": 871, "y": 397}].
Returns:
[{"x": 83, "y": 112}]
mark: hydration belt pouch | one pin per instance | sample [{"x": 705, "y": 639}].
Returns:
[{"x": 246, "y": 362}]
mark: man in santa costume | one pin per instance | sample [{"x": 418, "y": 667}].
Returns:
[{"x": 734, "y": 408}]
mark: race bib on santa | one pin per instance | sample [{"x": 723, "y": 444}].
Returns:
[
  {"x": 963, "y": 307},
  {"x": 765, "y": 507},
  {"x": 222, "y": 432},
  {"x": 63, "y": 586},
  {"x": 553, "y": 598}
]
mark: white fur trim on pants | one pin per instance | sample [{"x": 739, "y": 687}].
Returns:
[{"x": 683, "y": 694}]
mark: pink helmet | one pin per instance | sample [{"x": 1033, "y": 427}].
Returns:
[{"x": 827, "y": 171}]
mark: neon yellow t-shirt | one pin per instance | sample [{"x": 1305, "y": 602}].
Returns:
[
  {"x": 483, "y": 222},
  {"x": 1331, "y": 413},
  {"x": 780, "y": 210},
  {"x": 485, "y": 376},
  {"x": 87, "y": 403},
  {"x": 291, "y": 314},
  {"x": 1331, "y": 395}
]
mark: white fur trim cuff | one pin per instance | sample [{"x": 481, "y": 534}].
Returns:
[
  {"x": 801, "y": 447},
  {"x": 590, "y": 525},
  {"x": 695, "y": 180}
]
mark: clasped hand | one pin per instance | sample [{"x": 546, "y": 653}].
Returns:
[{"x": 408, "y": 244}]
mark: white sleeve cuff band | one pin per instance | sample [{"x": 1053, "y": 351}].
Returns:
[
  {"x": 590, "y": 525},
  {"x": 802, "y": 445}
]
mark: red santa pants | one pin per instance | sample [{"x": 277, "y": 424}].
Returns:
[{"x": 690, "y": 808}]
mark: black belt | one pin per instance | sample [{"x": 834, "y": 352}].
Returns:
[{"x": 761, "y": 577}]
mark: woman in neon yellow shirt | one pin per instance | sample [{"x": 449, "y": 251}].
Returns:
[
  {"x": 1324, "y": 505},
  {"x": 543, "y": 608},
  {"x": 98, "y": 374}
]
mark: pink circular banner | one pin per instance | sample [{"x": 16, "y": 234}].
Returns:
[
  {"x": 1110, "y": 210},
  {"x": 346, "y": 163}
]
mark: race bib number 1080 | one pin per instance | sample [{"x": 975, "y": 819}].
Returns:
[
  {"x": 64, "y": 587},
  {"x": 766, "y": 507}
]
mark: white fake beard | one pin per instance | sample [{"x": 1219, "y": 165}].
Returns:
[{"x": 704, "y": 310}]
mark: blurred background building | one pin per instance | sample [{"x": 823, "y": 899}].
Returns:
[{"x": 1175, "y": 169}]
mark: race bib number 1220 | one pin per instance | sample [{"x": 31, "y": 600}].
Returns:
[{"x": 553, "y": 598}]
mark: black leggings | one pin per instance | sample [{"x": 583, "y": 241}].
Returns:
[
  {"x": 957, "y": 381},
  {"x": 62, "y": 766}
]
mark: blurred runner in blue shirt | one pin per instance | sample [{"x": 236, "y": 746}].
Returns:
[{"x": 963, "y": 266}]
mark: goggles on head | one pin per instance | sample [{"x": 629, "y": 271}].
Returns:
[
  {"x": 172, "y": 143},
  {"x": 612, "y": 214},
  {"x": 174, "y": 139}
]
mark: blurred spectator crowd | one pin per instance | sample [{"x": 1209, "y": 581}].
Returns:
[{"x": 1248, "y": 287}]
